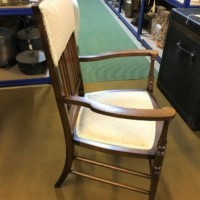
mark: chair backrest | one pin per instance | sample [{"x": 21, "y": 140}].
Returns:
[
  {"x": 56, "y": 24},
  {"x": 55, "y": 20}
]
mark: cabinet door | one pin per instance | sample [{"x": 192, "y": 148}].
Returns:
[{"x": 179, "y": 75}]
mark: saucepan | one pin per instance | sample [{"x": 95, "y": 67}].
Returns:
[
  {"x": 7, "y": 47},
  {"x": 29, "y": 38},
  {"x": 32, "y": 62}
]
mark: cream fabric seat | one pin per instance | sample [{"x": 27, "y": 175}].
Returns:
[{"x": 115, "y": 131}]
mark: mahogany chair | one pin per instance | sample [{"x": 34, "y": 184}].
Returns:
[{"x": 126, "y": 122}]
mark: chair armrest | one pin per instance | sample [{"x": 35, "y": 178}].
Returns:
[
  {"x": 128, "y": 53},
  {"x": 166, "y": 113},
  {"x": 116, "y": 54}
]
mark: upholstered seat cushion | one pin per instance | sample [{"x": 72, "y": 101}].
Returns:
[{"x": 116, "y": 131}]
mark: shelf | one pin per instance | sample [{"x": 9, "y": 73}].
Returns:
[
  {"x": 16, "y": 10},
  {"x": 113, "y": 7},
  {"x": 184, "y": 3},
  {"x": 140, "y": 33},
  {"x": 13, "y": 76}
]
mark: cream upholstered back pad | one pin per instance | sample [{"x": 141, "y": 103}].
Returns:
[{"x": 58, "y": 17}]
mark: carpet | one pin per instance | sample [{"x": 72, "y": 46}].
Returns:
[
  {"x": 100, "y": 32},
  {"x": 32, "y": 152}
]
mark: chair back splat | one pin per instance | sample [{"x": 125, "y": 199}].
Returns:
[{"x": 125, "y": 122}]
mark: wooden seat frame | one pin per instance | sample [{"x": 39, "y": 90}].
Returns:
[{"x": 69, "y": 92}]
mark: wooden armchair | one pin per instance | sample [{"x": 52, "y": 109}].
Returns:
[{"x": 124, "y": 122}]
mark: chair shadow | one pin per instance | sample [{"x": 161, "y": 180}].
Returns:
[
  {"x": 74, "y": 184},
  {"x": 59, "y": 194}
]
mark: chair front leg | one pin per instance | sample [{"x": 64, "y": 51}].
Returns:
[{"x": 156, "y": 171}]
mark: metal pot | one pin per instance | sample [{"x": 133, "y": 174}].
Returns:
[
  {"x": 10, "y": 22},
  {"x": 32, "y": 62},
  {"x": 29, "y": 38},
  {"x": 128, "y": 8},
  {"x": 7, "y": 47}
]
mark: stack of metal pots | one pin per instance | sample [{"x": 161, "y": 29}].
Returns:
[
  {"x": 31, "y": 59},
  {"x": 20, "y": 43}
]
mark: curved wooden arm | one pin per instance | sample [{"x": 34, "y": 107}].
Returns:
[
  {"x": 166, "y": 113},
  {"x": 115, "y": 54}
]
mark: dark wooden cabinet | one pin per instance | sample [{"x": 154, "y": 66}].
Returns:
[{"x": 179, "y": 75}]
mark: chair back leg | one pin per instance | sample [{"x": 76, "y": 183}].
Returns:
[{"x": 67, "y": 166}]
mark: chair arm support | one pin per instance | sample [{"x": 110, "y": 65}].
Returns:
[
  {"x": 116, "y": 54},
  {"x": 166, "y": 113}
]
